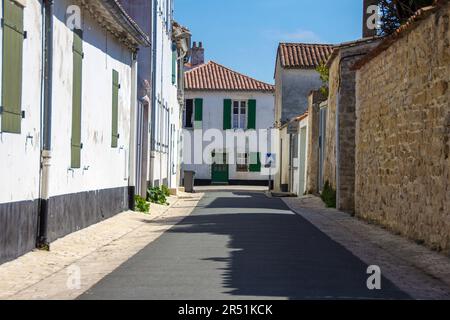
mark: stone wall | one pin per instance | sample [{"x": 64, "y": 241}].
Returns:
[
  {"x": 312, "y": 158},
  {"x": 339, "y": 169},
  {"x": 329, "y": 165},
  {"x": 403, "y": 134}
]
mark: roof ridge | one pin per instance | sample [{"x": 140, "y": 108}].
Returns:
[
  {"x": 244, "y": 75},
  {"x": 215, "y": 76},
  {"x": 307, "y": 44}
]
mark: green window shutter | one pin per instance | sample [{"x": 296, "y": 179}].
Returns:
[
  {"x": 13, "y": 36},
  {"x": 251, "y": 114},
  {"x": 255, "y": 162},
  {"x": 76, "y": 98},
  {"x": 227, "y": 114},
  {"x": 174, "y": 66},
  {"x": 115, "y": 109},
  {"x": 198, "y": 114}
]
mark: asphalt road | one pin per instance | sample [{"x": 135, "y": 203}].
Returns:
[{"x": 242, "y": 245}]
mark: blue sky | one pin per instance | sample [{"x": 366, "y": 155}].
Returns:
[{"x": 243, "y": 34}]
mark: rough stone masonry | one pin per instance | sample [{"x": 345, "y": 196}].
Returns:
[{"x": 402, "y": 133}]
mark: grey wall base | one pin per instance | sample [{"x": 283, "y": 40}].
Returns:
[
  {"x": 18, "y": 228},
  {"x": 67, "y": 214},
  {"x": 73, "y": 212}
]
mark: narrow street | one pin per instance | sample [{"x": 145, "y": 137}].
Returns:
[{"x": 242, "y": 245}]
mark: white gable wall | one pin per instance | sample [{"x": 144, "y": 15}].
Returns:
[{"x": 213, "y": 119}]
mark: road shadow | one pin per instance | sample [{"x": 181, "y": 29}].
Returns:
[{"x": 275, "y": 253}]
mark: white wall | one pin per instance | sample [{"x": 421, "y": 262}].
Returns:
[
  {"x": 102, "y": 167},
  {"x": 20, "y": 153},
  {"x": 166, "y": 93},
  {"x": 292, "y": 90},
  {"x": 213, "y": 119}
]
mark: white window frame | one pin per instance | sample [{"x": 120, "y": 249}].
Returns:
[{"x": 240, "y": 115}]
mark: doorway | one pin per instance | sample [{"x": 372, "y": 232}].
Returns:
[{"x": 219, "y": 169}]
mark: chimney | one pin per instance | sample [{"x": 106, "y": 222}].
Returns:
[
  {"x": 370, "y": 16},
  {"x": 197, "y": 54}
]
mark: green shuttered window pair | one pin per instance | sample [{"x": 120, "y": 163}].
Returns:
[
  {"x": 12, "y": 59},
  {"x": 227, "y": 114},
  {"x": 76, "y": 144},
  {"x": 115, "y": 109}
]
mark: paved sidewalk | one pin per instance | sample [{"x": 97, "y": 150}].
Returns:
[
  {"x": 92, "y": 253},
  {"x": 420, "y": 272}
]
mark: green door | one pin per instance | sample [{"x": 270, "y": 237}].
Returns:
[{"x": 219, "y": 169}]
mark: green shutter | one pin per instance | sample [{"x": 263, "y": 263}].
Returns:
[
  {"x": 13, "y": 36},
  {"x": 174, "y": 66},
  {"x": 251, "y": 114},
  {"x": 198, "y": 114},
  {"x": 227, "y": 114},
  {"x": 76, "y": 98},
  {"x": 115, "y": 109},
  {"x": 255, "y": 162}
]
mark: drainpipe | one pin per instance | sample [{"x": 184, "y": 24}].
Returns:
[
  {"x": 133, "y": 127},
  {"x": 153, "y": 95},
  {"x": 42, "y": 240}
]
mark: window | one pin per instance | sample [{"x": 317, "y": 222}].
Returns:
[
  {"x": 174, "y": 63},
  {"x": 76, "y": 98},
  {"x": 240, "y": 115},
  {"x": 242, "y": 162},
  {"x": 115, "y": 109},
  {"x": 188, "y": 121}
]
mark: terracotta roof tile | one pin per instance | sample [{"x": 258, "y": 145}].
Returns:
[
  {"x": 213, "y": 76},
  {"x": 302, "y": 55}
]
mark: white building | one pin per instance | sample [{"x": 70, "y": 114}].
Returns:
[
  {"x": 67, "y": 118},
  {"x": 160, "y": 94},
  {"x": 223, "y": 103},
  {"x": 295, "y": 78},
  {"x": 165, "y": 115}
]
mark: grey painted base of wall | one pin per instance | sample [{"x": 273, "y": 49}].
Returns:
[
  {"x": 67, "y": 214},
  {"x": 73, "y": 212},
  {"x": 18, "y": 228}
]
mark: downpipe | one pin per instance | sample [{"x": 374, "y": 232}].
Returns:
[{"x": 46, "y": 155}]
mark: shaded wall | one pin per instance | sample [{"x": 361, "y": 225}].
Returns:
[
  {"x": 339, "y": 167},
  {"x": 312, "y": 157}
]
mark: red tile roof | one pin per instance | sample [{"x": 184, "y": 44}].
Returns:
[
  {"x": 213, "y": 76},
  {"x": 302, "y": 55}
]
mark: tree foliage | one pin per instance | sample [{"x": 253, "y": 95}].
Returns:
[
  {"x": 394, "y": 13},
  {"x": 325, "y": 77}
]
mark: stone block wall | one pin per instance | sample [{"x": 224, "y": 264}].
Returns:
[
  {"x": 340, "y": 170},
  {"x": 403, "y": 134},
  {"x": 312, "y": 158}
]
